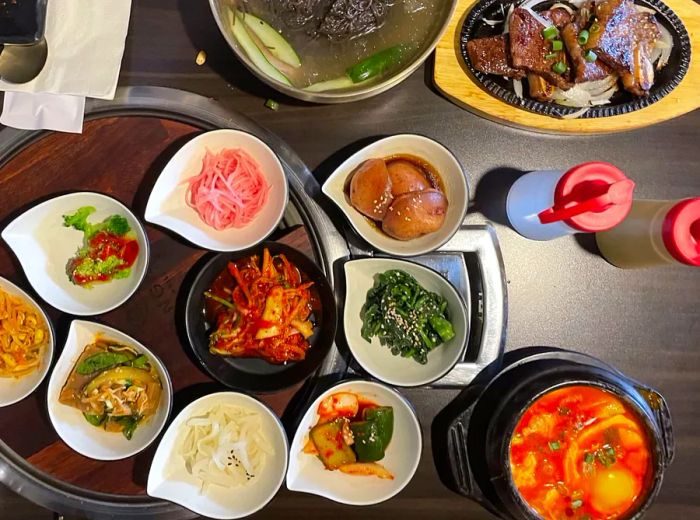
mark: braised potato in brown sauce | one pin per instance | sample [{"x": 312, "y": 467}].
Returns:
[{"x": 402, "y": 194}]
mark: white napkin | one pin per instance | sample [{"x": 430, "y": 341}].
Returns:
[
  {"x": 85, "y": 41},
  {"x": 86, "y": 45},
  {"x": 43, "y": 111}
]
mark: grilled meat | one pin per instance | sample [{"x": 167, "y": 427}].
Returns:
[
  {"x": 623, "y": 38},
  {"x": 491, "y": 56},
  {"x": 560, "y": 17},
  {"x": 583, "y": 70},
  {"x": 529, "y": 48}
]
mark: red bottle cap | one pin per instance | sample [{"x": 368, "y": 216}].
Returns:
[
  {"x": 590, "y": 197},
  {"x": 681, "y": 231}
]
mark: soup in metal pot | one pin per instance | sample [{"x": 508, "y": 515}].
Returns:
[
  {"x": 580, "y": 453},
  {"x": 327, "y": 45}
]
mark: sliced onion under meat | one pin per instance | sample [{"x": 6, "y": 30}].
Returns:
[
  {"x": 566, "y": 8},
  {"x": 575, "y": 115},
  {"x": 588, "y": 94},
  {"x": 506, "y": 24},
  {"x": 665, "y": 43},
  {"x": 518, "y": 88}
]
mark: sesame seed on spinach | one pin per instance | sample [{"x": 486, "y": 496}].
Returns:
[{"x": 406, "y": 318}]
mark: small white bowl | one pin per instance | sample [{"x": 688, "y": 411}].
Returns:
[
  {"x": 14, "y": 390},
  {"x": 167, "y": 206},
  {"x": 170, "y": 480},
  {"x": 378, "y": 360},
  {"x": 69, "y": 423},
  {"x": 44, "y": 245},
  {"x": 446, "y": 164},
  {"x": 307, "y": 474}
]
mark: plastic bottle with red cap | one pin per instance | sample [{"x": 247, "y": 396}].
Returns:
[
  {"x": 590, "y": 197},
  {"x": 655, "y": 232}
]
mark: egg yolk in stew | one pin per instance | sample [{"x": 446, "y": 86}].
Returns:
[{"x": 580, "y": 453}]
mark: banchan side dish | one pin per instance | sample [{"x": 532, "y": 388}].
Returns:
[{"x": 557, "y": 435}]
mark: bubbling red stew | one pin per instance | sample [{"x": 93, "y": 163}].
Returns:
[{"x": 580, "y": 453}]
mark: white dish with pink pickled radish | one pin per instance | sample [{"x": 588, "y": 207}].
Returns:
[{"x": 224, "y": 190}]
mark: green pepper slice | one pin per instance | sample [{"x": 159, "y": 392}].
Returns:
[
  {"x": 100, "y": 361},
  {"x": 376, "y": 64},
  {"x": 368, "y": 443},
  {"x": 383, "y": 416}
]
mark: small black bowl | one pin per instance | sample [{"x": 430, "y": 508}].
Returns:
[
  {"x": 480, "y": 428},
  {"x": 622, "y": 102},
  {"x": 251, "y": 374}
]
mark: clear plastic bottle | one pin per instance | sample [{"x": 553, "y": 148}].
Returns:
[
  {"x": 655, "y": 232},
  {"x": 590, "y": 197}
]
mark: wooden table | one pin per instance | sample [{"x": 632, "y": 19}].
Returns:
[{"x": 647, "y": 323}]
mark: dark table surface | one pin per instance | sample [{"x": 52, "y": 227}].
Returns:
[{"x": 647, "y": 322}]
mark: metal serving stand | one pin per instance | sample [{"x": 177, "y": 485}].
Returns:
[{"x": 471, "y": 260}]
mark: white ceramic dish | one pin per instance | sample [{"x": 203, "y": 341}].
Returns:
[
  {"x": 44, "y": 245},
  {"x": 169, "y": 480},
  {"x": 167, "y": 206},
  {"x": 376, "y": 359},
  {"x": 307, "y": 474},
  {"x": 71, "y": 426},
  {"x": 451, "y": 173},
  {"x": 14, "y": 390}
]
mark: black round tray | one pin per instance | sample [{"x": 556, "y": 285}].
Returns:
[{"x": 621, "y": 103}]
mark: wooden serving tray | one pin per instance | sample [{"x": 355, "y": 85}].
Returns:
[
  {"x": 119, "y": 156},
  {"x": 454, "y": 79}
]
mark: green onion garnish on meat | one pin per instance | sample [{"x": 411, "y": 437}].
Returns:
[
  {"x": 559, "y": 67},
  {"x": 550, "y": 33},
  {"x": 583, "y": 37}
]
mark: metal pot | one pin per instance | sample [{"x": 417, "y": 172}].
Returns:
[
  {"x": 219, "y": 9},
  {"x": 479, "y": 436}
]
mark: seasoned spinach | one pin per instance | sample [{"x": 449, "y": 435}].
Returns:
[{"x": 406, "y": 318}]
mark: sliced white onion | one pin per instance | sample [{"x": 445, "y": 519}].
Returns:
[
  {"x": 655, "y": 54},
  {"x": 518, "y": 88},
  {"x": 665, "y": 43},
  {"x": 506, "y": 24},
  {"x": 212, "y": 442},
  {"x": 587, "y": 94},
  {"x": 643, "y": 9},
  {"x": 575, "y": 115},
  {"x": 566, "y": 8},
  {"x": 598, "y": 87},
  {"x": 491, "y": 23}
]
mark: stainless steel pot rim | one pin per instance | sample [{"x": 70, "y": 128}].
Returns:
[{"x": 337, "y": 97}]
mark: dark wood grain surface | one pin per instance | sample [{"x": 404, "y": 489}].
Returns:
[{"x": 561, "y": 293}]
